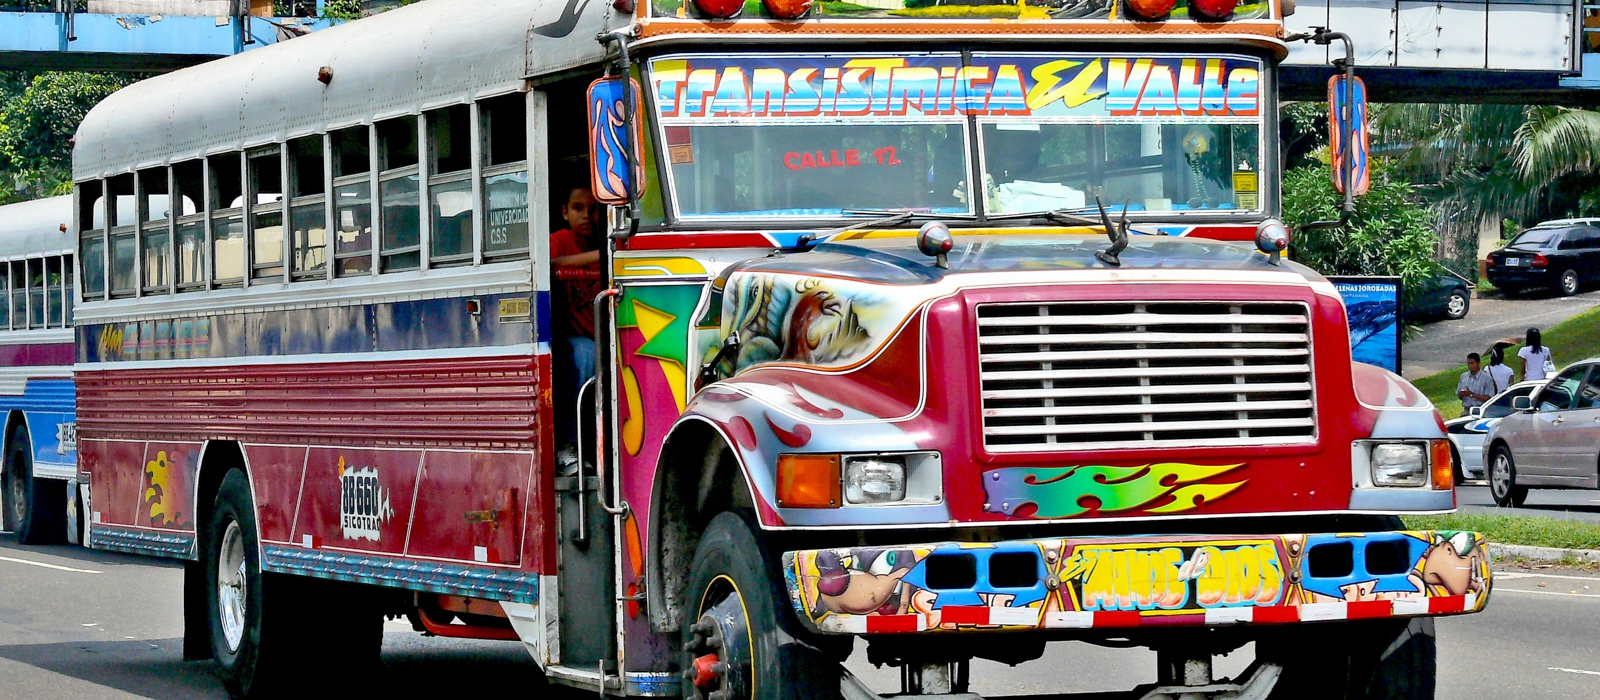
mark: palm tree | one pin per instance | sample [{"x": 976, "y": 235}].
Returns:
[{"x": 1490, "y": 161}]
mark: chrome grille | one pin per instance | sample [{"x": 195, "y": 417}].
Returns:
[{"x": 1106, "y": 375}]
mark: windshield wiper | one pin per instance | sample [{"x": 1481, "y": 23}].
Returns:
[
  {"x": 886, "y": 217},
  {"x": 1060, "y": 216}
]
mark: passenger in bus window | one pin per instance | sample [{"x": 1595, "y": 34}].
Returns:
[{"x": 575, "y": 263}]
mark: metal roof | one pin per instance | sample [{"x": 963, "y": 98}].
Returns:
[
  {"x": 418, "y": 57},
  {"x": 34, "y": 227}
]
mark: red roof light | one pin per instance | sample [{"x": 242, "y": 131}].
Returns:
[
  {"x": 1150, "y": 9},
  {"x": 720, "y": 9},
  {"x": 787, "y": 9},
  {"x": 1212, "y": 9}
]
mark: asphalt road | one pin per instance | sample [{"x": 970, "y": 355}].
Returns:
[
  {"x": 1563, "y": 504},
  {"x": 90, "y": 625},
  {"x": 1445, "y": 344}
]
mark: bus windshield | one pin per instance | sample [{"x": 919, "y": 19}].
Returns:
[{"x": 814, "y": 136}]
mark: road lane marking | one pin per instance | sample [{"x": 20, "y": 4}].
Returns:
[
  {"x": 1575, "y": 670},
  {"x": 1569, "y": 595},
  {"x": 50, "y": 566},
  {"x": 1514, "y": 575}
]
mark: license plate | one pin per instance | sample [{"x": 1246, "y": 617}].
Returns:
[{"x": 1513, "y": 262}]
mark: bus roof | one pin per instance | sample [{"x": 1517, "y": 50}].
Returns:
[
  {"x": 40, "y": 226},
  {"x": 422, "y": 56}
]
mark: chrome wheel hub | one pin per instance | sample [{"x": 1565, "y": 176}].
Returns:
[
  {"x": 232, "y": 585},
  {"x": 1457, "y": 306},
  {"x": 1500, "y": 476}
]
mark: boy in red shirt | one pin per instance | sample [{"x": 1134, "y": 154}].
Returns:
[{"x": 575, "y": 262}]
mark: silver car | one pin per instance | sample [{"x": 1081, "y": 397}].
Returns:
[
  {"x": 1467, "y": 432},
  {"x": 1551, "y": 440}
]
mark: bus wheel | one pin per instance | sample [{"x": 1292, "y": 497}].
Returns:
[
  {"x": 1393, "y": 659},
  {"x": 246, "y": 650},
  {"x": 739, "y": 642},
  {"x": 35, "y": 509}
]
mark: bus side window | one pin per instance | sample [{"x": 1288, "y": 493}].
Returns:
[
  {"x": 5, "y": 287},
  {"x": 52, "y": 291},
  {"x": 399, "y": 182},
  {"x": 124, "y": 248},
  {"x": 308, "y": 213},
  {"x": 35, "y": 268},
  {"x": 92, "y": 224},
  {"x": 19, "y": 294},
  {"x": 66, "y": 290},
  {"x": 503, "y": 129},
  {"x": 155, "y": 210},
  {"x": 266, "y": 214},
  {"x": 226, "y": 209},
  {"x": 450, "y": 203},
  {"x": 352, "y": 201},
  {"x": 189, "y": 245}
]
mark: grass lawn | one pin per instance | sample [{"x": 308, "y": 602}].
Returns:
[
  {"x": 1511, "y": 529},
  {"x": 1574, "y": 339}
]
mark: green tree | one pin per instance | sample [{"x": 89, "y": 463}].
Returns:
[
  {"x": 1485, "y": 162},
  {"x": 1390, "y": 233},
  {"x": 38, "y": 116}
]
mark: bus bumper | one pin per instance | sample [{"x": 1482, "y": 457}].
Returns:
[{"x": 1122, "y": 582}]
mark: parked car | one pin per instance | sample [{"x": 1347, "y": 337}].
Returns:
[
  {"x": 1443, "y": 295},
  {"x": 1551, "y": 439},
  {"x": 1467, "y": 432},
  {"x": 1562, "y": 254}
]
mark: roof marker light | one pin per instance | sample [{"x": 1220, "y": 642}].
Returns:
[
  {"x": 1150, "y": 10},
  {"x": 1212, "y": 9},
  {"x": 788, "y": 9},
  {"x": 720, "y": 9}
]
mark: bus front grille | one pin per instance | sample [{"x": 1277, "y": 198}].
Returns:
[{"x": 1109, "y": 375}]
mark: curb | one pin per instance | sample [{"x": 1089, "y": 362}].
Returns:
[{"x": 1518, "y": 551}]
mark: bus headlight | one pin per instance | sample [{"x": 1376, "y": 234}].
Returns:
[
  {"x": 1399, "y": 464},
  {"x": 875, "y": 480}
]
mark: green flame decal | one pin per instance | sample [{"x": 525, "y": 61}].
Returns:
[{"x": 1068, "y": 492}]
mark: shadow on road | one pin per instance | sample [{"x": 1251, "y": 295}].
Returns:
[
  {"x": 88, "y": 556},
  {"x": 155, "y": 669}
]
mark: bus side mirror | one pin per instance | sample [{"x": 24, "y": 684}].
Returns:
[
  {"x": 615, "y": 136},
  {"x": 1347, "y": 127},
  {"x": 1522, "y": 403}
]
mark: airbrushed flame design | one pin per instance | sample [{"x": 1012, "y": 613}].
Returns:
[{"x": 1069, "y": 492}]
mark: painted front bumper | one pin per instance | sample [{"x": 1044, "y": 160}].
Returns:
[{"x": 1082, "y": 583}]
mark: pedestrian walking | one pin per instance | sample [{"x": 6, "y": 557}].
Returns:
[
  {"x": 1537, "y": 363},
  {"x": 1497, "y": 369},
  {"x": 1475, "y": 386}
]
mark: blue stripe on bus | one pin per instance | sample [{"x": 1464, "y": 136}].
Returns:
[
  {"x": 426, "y": 324},
  {"x": 542, "y": 313},
  {"x": 429, "y": 576},
  {"x": 49, "y": 410}
]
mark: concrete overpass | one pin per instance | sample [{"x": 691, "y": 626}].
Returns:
[{"x": 140, "y": 41}]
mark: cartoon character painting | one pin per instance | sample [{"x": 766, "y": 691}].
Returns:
[{"x": 784, "y": 319}]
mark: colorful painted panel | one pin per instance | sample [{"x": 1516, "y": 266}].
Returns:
[
  {"x": 925, "y": 11},
  {"x": 276, "y": 472},
  {"x": 1049, "y": 493},
  {"x": 170, "y": 471},
  {"x": 708, "y": 89},
  {"x": 470, "y": 506},
  {"x": 357, "y": 498},
  {"x": 1067, "y": 583},
  {"x": 116, "y": 473}
]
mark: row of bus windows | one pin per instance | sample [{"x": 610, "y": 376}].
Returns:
[
  {"x": 38, "y": 293},
  {"x": 266, "y": 214}
]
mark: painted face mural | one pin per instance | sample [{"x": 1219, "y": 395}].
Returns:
[
  {"x": 802, "y": 320},
  {"x": 1455, "y": 562}
]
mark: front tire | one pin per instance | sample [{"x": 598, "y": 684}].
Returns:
[
  {"x": 740, "y": 640},
  {"x": 1370, "y": 660},
  {"x": 1568, "y": 285},
  {"x": 1503, "y": 480},
  {"x": 35, "y": 509}
]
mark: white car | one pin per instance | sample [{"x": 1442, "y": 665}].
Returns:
[
  {"x": 1550, "y": 440},
  {"x": 1467, "y": 432}
]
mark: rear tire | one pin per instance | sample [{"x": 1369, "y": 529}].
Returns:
[
  {"x": 736, "y": 610},
  {"x": 1502, "y": 474},
  {"x": 1457, "y": 305},
  {"x": 35, "y": 509},
  {"x": 1568, "y": 284},
  {"x": 1370, "y": 660}
]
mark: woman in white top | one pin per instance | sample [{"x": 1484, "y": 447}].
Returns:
[
  {"x": 1535, "y": 356},
  {"x": 1498, "y": 371}
]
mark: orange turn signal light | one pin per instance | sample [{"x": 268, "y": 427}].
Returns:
[
  {"x": 1443, "y": 470},
  {"x": 808, "y": 481}
]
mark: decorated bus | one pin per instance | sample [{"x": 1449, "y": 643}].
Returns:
[
  {"x": 687, "y": 343},
  {"x": 40, "y": 458}
]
